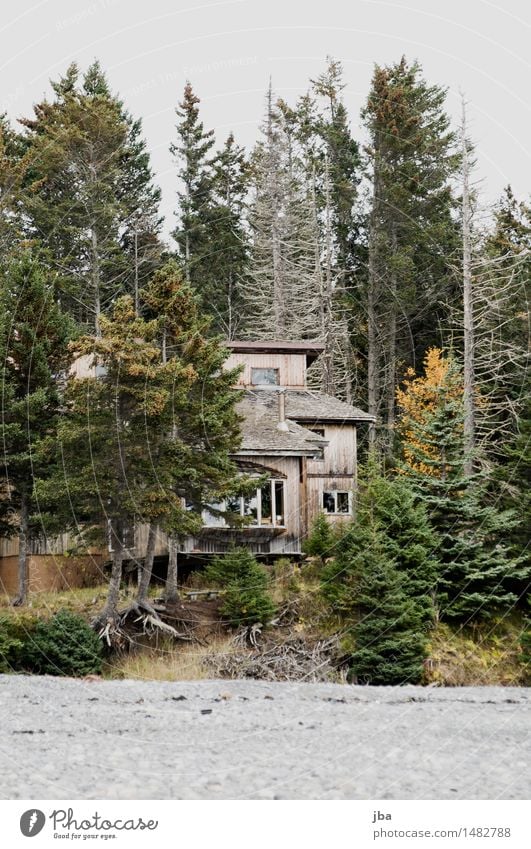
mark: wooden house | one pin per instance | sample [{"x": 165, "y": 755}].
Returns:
[{"x": 304, "y": 441}]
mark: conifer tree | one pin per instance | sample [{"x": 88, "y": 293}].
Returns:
[
  {"x": 34, "y": 336},
  {"x": 282, "y": 299},
  {"x": 381, "y": 582},
  {"x": 145, "y": 434},
  {"x": 225, "y": 274},
  {"x": 477, "y": 572},
  {"x": 341, "y": 157},
  {"x": 192, "y": 151},
  {"x": 412, "y": 236},
  {"x": 89, "y": 196},
  {"x": 390, "y": 508},
  {"x": 202, "y": 425},
  {"x": 13, "y": 165},
  {"x": 389, "y": 636}
]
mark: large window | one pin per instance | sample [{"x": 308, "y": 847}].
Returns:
[
  {"x": 264, "y": 508},
  {"x": 265, "y": 377},
  {"x": 337, "y": 502}
]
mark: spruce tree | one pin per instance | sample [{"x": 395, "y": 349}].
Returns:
[
  {"x": 389, "y": 507},
  {"x": 389, "y": 635},
  {"x": 385, "y": 600},
  {"x": 89, "y": 194},
  {"x": 202, "y": 424},
  {"x": 282, "y": 300},
  {"x": 13, "y": 166},
  {"x": 34, "y": 336},
  {"x": 411, "y": 159},
  {"x": 194, "y": 158},
  {"x": 477, "y": 571},
  {"x": 340, "y": 155},
  {"x": 225, "y": 275}
]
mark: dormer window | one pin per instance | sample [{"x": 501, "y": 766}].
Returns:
[{"x": 265, "y": 376}]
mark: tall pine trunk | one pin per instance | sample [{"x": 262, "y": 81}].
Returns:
[
  {"x": 469, "y": 427},
  {"x": 171, "y": 594},
  {"x": 147, "y": 566},
  {"x": 23, "y": 577},
  {"x": 110, "y": 611}
]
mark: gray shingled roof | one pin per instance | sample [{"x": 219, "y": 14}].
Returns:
[
  {"x": 260, "y": 409},
  {"x": 261, "y": 433},
  {"x": 305, "y": 405}
]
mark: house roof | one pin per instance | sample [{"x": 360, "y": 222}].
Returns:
[
  {"x": 311, "y": 349},
  {"x": 280, "y": 346},
  {"x": 262, "y": 435},
  {"x": 308, "y": 406}
]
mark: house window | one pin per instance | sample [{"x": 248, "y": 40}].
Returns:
[
  {"x": 265, "y": 376},
  {"x": 337, "y": 502},
  {"x": 265, "y": 507}
]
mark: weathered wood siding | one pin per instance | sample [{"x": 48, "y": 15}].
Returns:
[
  {"x": 49, "y": 573},
  {"x": 61, "y": 544},
  {"x": 336, "y": 471},
  {"x": 340, "y": 454},
  {"x": 292, "y": 367},
  {"x": 316, "y": 487}
]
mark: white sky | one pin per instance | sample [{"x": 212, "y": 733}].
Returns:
[{"x": 229, "y": 48}]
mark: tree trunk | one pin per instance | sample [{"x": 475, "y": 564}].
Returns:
[
  {"x": 110, "y": 611},
  {"x": 373, "y": 394},
  {"x": 147, "y": 567},
  {"x": 391, "y": 364},
  {"x": 137, "y": 289},
  {"x": 22, "y": 555},
  {"x": 468, "y": 316},
  {"x": 96, "y": 284},
  {"x": 171, "y": 595}
]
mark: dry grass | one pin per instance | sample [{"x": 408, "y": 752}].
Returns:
[
  {"x": 487, "y": 656},
  {"x": 82, "y": 601},
  {"x": 171, "y": 662}
]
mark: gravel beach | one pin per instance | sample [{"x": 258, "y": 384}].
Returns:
[{"x": 86, "y": 739}]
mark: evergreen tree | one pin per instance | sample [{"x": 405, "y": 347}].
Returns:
[
  {"x": 225, "y": 276},
  {"x": 389, "y": 508},
  {"x": 322, "y": 539},
  {"x": 502, "y": 289},
  {"x": 34, "y": 336},
  {"x": 13, "y": 165},
  {"x": 477, "y": 572},
  {"x": 282, "y": 300},
  {"x": 89, "y": 194},
  {"x": 246, "y": 599},
  {"x": 381, "y": 583},
  {"x": 412, "y": 236},
  {"x": 203, "y": 426},
  {"x": 389, "y": 637},
  {"x": 193, "y": 154},
  {"x": 340, "y": 156}
]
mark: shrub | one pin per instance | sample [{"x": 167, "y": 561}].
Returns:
[
  {"x": 246, "y": 600},
  {"x": 63, "y": 645},
  {"x": 322, "y": 539},
  {"x": 16, "y": 631},
  {"x": 525, "y": 657}
]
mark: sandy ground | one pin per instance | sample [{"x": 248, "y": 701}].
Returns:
[{"x": 72, "y": 739}]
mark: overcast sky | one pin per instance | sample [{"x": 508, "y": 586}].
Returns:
[{"x": 230, "y": 48}]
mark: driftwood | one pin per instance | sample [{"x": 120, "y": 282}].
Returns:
[{"x": 295, "y": 659}]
